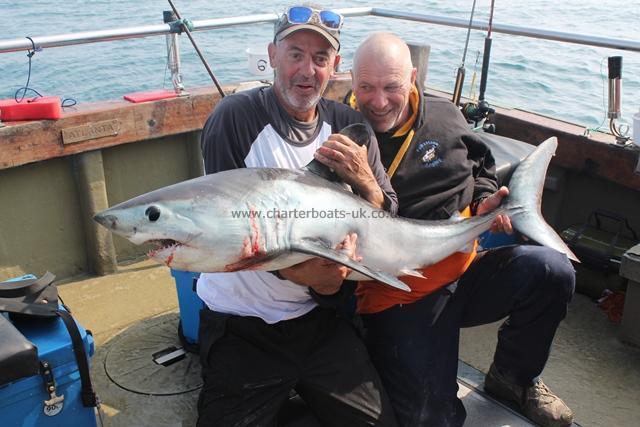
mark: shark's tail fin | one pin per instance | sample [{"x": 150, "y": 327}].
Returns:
[{"x": 525, "y": 195}]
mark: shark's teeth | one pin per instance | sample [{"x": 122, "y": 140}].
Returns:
[{"x": 162, "y": 245}]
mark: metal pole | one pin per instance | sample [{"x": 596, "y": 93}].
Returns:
[
  {"x": 195, "y": 46},
  {"x": 173, "y": 55},
  {"x": 486, "y": 57},
  {"x": 457, "y": 90}
]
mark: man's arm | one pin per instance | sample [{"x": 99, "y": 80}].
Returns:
[
  {"x": 360, "y": 167},
  {"x": 484, "y": 167},
  {"x": 383, "y": 180}
]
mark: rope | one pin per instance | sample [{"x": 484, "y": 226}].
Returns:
[
  {"x": 22, "y": 92},
  {"x": 26, "y": 88}
]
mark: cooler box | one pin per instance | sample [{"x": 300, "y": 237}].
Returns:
[
  {"x": 600, "y": 243},
  {"x": 601, "y": 240},
  {"x": 190, "y": 305},
  {"x": 22, "y": 400}
]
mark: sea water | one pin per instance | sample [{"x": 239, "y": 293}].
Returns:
[{"x": 560, "y": 80}]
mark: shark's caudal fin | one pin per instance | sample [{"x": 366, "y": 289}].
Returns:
[
  {"x": 321, "y": 249},
  {"x": 525, "y": 195},
  {"x": 358, "y": 133}
]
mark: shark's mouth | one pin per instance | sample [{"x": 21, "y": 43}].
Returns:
[{"x": 163, "y": 245}]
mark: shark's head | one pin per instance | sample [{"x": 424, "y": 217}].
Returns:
[
  {"x": 168, "y": 223},
  {"x": 174, "y": 235}
]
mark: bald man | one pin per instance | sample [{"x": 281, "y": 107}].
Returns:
[{"x": 438, "y": 167}]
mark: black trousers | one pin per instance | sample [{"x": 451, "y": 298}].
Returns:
[
  {"x": 529, "y": 285},
  {"x": 249, "y": 368}
]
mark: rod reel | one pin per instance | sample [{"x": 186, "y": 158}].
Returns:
[{"x": 478, "y": 113}]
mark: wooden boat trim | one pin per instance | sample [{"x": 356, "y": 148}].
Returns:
[{"x": 27, "y": 142}]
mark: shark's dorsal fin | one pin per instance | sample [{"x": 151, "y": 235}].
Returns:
[
  {"x": 323, "y": 171},
  {"x": 322, "y": 249},
  {"x": 358, "y": 133}
]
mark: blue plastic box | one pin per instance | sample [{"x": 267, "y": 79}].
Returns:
[
  {"x": 22, "y": 401},
  {"x": 190, "y": 304}
]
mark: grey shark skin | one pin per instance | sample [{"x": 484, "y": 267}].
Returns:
[{"x": 269, "y": 219}]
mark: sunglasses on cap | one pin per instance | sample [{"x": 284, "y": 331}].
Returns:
[{"x": 305, "y": 14}]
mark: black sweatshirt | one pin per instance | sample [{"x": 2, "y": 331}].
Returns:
[{"x": 446, "y": 167}]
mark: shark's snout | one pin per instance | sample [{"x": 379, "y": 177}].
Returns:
[{"x": 106, "y": 220}]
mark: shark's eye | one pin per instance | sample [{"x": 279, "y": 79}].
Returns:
[{"x": 153, "y": 213}]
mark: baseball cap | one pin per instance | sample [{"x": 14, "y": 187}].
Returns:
[{"x": 327, "y": 23}]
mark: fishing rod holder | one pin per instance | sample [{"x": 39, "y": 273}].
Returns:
[
  {"x": 615, "y": 79},
  {"x": 173, "y": 50},
  {"x": 620, "y": 131}
]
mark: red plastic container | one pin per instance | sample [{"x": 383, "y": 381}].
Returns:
[
  {"x": 152, "y": 95},
  {"x": 46, "y": 107}
]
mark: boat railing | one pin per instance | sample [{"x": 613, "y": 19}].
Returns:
[
  {"x": 31, "y": 42},
  {"x": 20, "y": 44}
]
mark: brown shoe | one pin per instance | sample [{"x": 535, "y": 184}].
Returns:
[{"x": 536, "y": 402}]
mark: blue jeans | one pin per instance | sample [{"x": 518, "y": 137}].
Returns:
[{"x": 529, "y": 285}]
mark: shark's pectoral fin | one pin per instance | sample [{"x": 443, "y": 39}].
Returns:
[{"x": 322, "y": 249}]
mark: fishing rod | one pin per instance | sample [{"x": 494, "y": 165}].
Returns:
[
  {"x": 195, "y": 46},
  {"x": 457, "y": 91},
  {"x": 486, "y": 56},
  {"x": 479, "y": 112}
]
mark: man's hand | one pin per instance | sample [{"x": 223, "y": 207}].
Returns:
[
  {"x": 324, "y": 276},
  {"x": 350, "y": 162},
  {"x": 502, "y": 223}
]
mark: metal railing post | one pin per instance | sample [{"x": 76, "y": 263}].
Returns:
[{"x": 173, "y": 55}]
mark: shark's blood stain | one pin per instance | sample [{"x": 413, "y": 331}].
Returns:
[
  {"x": 169, "y": 260},
  {"x": 252, "y": 254},
  {"x": 255, "y": 232}
]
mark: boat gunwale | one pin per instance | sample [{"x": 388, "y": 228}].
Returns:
[{"x": 23, "y": 143}]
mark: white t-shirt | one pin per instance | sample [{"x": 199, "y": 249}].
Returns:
[
  {"x": 260, "y": 293},
  {"x": 251, "y": 129}
]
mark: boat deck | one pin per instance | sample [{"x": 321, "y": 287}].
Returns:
[{"x": 589, "y": 368}]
